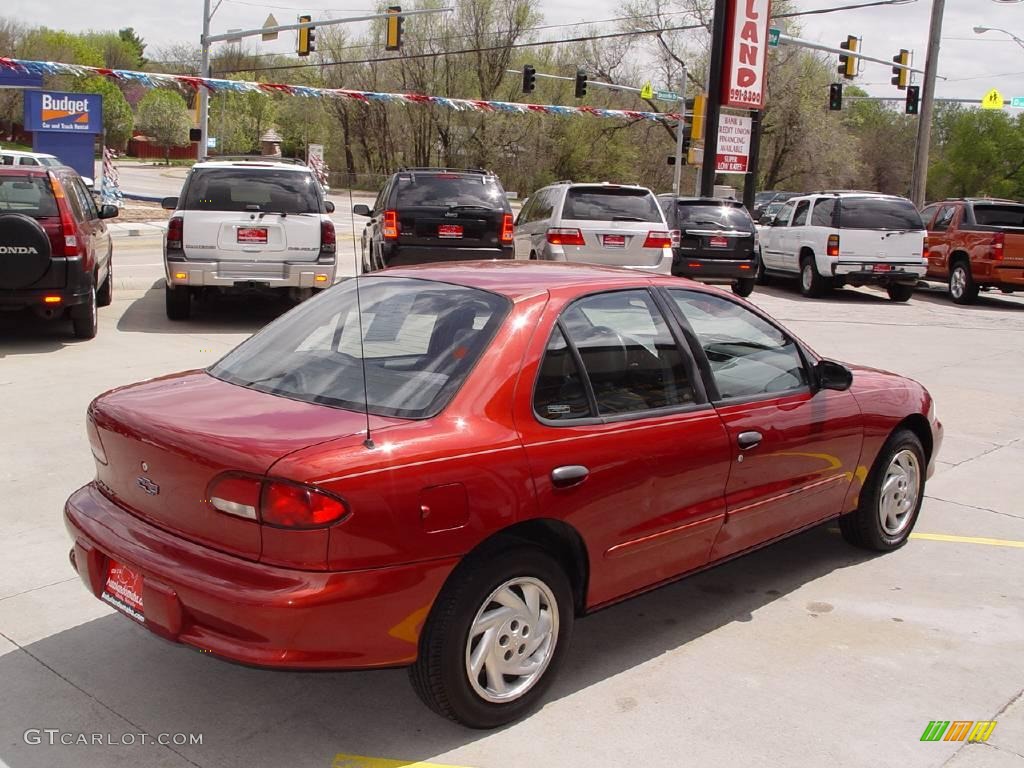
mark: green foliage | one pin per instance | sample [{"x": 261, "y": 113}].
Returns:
[
  {"x": 118, "y": 120},
  {"x": 163, "y": 116},
  {"x": 982, "y": 153},
  {"x": 137, "y": 44}
]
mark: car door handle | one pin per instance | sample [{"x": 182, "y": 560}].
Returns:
[
  {"x": 569, "y": 475},
  {"x": 749, "y": 439}
]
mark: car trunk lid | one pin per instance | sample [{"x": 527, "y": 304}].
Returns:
[{"x": 452, "y": 227}]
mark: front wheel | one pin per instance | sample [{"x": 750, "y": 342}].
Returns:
[
  {"x": 495, "y": 637},
  {"x": 743, "y": 287},
  {"x": 890, "y": 500},
  {"x": 899, "y": 292}
]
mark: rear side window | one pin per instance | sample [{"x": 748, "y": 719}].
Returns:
[
  {"x": 420, "y": 339},
  {"x": 722, "y": 216},
  {"x": 999, "y": 215},
  {"x": 824, "y": 213},
  {"x": 446, "y": 190},
  {"x": 29, "y": 195},
  {"x": 560, "y": 393},
  {"x": 249, "y": 189},
  {"x": 610, "y": 204},
  {"x": 878, "y": 213}
]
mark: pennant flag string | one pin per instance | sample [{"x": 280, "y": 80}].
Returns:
[{"x": 217, "y": 85}]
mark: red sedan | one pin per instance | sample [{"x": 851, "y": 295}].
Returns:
[{"x": 447, "y": 467}]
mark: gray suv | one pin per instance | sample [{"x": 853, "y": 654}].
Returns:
[{"x": 614, "y": 224}]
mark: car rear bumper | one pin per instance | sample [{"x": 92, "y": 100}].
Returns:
[
  {"x": 250, "y": 274},
  {"x": 72, "y": 284},
  {"x": 864, "y": 273},
  {"x": 250, "y": 612},
  {"x": 401, "y": 255},
  {"x": 662, "y": 266},
  {"x": 713, "y": 269}
]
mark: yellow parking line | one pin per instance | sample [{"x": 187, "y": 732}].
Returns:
[
  {"x": 360, "y": 761},
  {"x": 968, "y": 540}
]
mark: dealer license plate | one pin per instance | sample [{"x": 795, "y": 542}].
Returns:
[{"x": 123, "y": 590}]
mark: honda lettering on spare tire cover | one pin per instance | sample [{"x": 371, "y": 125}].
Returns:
[{"x": 24, "y": 251}]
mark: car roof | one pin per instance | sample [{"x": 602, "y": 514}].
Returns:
[
  {"x": 725, "y": 201},
  {"x": 23, "y": 153},
  {"x": 523, "y": 279},
  {"x": 31, "y": 170},
  {"x": 269, "y": 162}
]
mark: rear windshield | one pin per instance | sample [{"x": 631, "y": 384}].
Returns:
[
  {"x": 999, "y": 215},
  {"x": 723, "y": 216},
  {"x": 445, "y": 190},
  {"x": 878, "y": 213},
  {"x": 250, "y": 189},
  {"x": 28, "y": 195},
  {"x": 420, "y": 339},
  {"x": 610, "y": 204}
]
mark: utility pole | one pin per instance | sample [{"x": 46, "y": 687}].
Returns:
[
  {"x": 919, "y": 183},
  {"x": 204, "y": 71},
  {"x": 714, "y": 108},
  {"x": 753, "y": 158},
  {"x": 677, "y": 173}
]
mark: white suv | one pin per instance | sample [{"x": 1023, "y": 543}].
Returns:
[
  {"x": 256, "y": 224},
  {"x": 831, "y": 239}
]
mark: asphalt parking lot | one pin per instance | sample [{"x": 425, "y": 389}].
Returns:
[{"x": 807, "y": 653}]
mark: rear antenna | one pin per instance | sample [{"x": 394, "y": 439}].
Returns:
[{"x": 368, "y": 442}]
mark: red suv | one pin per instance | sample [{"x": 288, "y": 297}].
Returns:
[
  {"x": 55, "y": 251},
  {"x": 442, "y": 467}
]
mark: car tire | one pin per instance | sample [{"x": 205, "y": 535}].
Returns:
[
  {"x": 761, "y": 277},
  {"x": 452, "y": 639},
  {"x": 105, "y": 295},
  {"x": 84, "y": 319},
  {"x": 812, "y": 284},
  {"x": 890, "y": 500},
  {"x": 900, "y": 292},
  {"x": 743, "y": 287},
  {"x": 962, "y": 288},
  {"x": 177, "y": 302}
]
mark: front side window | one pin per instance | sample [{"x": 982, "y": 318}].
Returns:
[
  {"x": 420, "y": 339},
  {"x": 748, "y": 355},
  {"x": 945, "y": 217},
  {"x": 928, "y": 214},
  {"x": 782, "y": 217},
  {"x": 249, "y": 189},
  {"x": 800, "y": 217},
  {"x": 630, "y": 357}
]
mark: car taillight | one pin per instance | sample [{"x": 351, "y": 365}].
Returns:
[
  {"x": 328, "y": 238},
  {"x": 677, "y": 237},
  {"x": 69, "y": 230},
  {"x": 562, "y": 236},
  {"x": 832, "y": 247},
  {"x": 175, "y": 233},
  {"x": 998, "y": 246},
  {"x": 275, "y": 502},
  {"x": 390, "y": 230},
  {"x": 506, "y": 228},
  {"x": 659, "y": 239}
]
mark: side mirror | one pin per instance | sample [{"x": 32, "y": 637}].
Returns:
[
  {"x": 361, "y": 210},
  {"x": 108, "y": 211},
  {"x": 169, "y": 203},
  {"x": 833, "y": 375},
  {"x": 328, "y": 206},
  {"x": 766, "y": 220}
]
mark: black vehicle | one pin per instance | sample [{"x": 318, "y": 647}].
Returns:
[
  {"x": 55, "y": 250},
  {"x": 437, "y": 214},
  {"x": 717, "y": 241}
]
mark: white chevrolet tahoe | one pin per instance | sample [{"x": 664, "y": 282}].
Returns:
[
  {"x": 257, "y": 224},
  {"x": 832, "y": 239}
]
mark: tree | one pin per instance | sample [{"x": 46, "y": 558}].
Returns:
[
  {"x": 137, "y": 43},
  {"x": 118, "y": 120},
  {"x": 164, "y": 118}
]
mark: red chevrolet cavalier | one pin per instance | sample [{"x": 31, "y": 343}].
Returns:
[{"x": 447, "y": 467}]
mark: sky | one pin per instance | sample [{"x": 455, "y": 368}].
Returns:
[{"x": 971, "y": 63}]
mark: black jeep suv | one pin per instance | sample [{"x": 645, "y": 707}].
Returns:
[{"x": 436, "y": 214}]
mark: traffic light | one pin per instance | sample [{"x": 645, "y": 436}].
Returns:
[
  {"x": 529, "y": 78},
  {"x": 393, "y": 36},
  {"x": 900, "y": 77},
  {"x": 307, "y": 38},
  {"x": 848, "y": 64},
  {"x": 913, "y": 97},
  {"x": 581, "y": 84},
  {"x": 835, "y": 96},
  {"x": 697, "y": 121}
]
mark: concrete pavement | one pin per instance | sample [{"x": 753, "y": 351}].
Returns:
[{"x": 807, "y": 653}]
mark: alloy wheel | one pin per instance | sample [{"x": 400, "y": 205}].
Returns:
[
  {"x": 512, "y": 639},
  {"x": 957, "y": 282},
  {"x": 807, "y": 276},
  {"x": 899, "y": 493}
]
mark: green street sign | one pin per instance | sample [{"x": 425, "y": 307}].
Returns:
[
  {"x": 666, "y": 96},
  {"x": 1017, "y": 102},
  {"x": 773, "y": 37}
]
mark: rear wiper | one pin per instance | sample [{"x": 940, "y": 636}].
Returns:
[
  {"x": 895, "y": 232},
  {"x": 468, "y": 206},
  {"x": 627, "y": 218}
]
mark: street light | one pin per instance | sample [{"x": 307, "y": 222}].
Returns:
[{"x": 980, "y": 30}]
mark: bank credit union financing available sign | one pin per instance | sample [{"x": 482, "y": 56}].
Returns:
[{"x": 57, "y": 111}]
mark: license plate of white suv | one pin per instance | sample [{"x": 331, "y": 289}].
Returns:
[
  {"x": 614, "y": 241},
  {"x": 252, "y": 234}
]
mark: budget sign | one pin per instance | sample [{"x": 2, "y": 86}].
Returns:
[
  {"x": 746, "y": 52},
  {"x": 65, "y": 112}
]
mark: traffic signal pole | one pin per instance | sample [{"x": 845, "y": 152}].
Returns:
[
  {"x": 919, "y": 181},
  {"x": 204, "y": 71}
]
